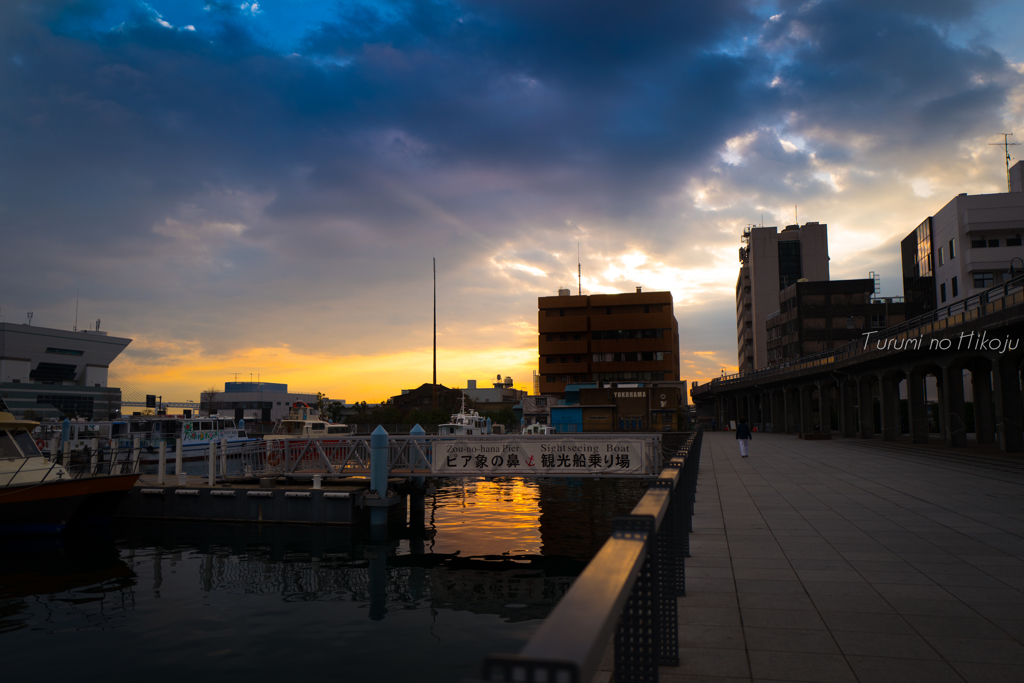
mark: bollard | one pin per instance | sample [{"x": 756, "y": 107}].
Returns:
[
  {"x": 161, "y": 468},
  {"x": 379, "y": 473},
  {"x": 224, "y": 457},
  {"x": 177, "y": 458},
  {"x": 136, "y": 452},
  {"x": 212, "y": 470},
  {"x": 418, "y": 497},
  {"x": 316, "y": 482}
]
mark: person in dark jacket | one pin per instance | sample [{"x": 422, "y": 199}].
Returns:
[{"x": 743, "y": 437}]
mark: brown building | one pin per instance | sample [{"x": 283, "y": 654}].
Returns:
[
  {"x": 622, "y": 408},
  {"x": 606, "y": 338},
  {"x": 422, "y": 397},
  {"x": 817, "y": 316}
]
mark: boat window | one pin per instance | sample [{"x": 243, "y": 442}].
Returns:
[
  {"x": 7, "y": 447},
  {"x": 318, "y": 426},
  {"x": 27, "y": 443},
  {"x": 292, "y": 427},
  {"x": 205, "y": 426},
  {"x": 229, "y": 424},
  {"x": 241, "y": 434}
]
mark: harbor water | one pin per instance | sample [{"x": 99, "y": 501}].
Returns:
[{"x": 173, "y": 601}]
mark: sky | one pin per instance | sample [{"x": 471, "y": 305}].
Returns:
[{"x": 260, "y": 187}]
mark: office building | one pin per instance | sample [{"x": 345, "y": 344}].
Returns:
[
  {"x": 606, "y": 338},
  {"x": 265, "y": 402},
  {"x": 818, "y": 316},
  {"x": 58, "y": 373},
  {"x": 501, "y": 394},
  {"x": 770, "y": 261},
  {"x": 971, "y": 244}
]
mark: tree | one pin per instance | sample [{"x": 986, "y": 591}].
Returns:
[{"x": 206, "y": 398}]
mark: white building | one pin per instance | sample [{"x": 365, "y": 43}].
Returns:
[
  {"x": 501, "y": 393},
  {"x": 58, "y": 373},
  {"x": 259, "y": 401}
]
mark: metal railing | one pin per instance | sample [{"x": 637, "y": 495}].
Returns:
[
  {"x": 626, "y": 595},
  {"x": 958, "y": 312}
]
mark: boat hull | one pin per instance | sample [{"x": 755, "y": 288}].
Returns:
[
  {"x": 47, "y": 508},
  {"x": 107, "y": 494}
]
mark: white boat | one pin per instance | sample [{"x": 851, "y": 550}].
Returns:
[
  {"x": 38, "y": 496},
  {"x": 303, "y": 423},
  {"x": 464, "y": 423},
  {"x": 196, "y": 434}
]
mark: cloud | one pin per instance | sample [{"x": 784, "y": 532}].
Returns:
[{"x": 255, "y": 178}]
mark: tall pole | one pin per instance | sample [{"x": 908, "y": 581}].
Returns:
[
  {"x": 579, "y": 269},
  {"x": 1006, "y": 145},
  {"x": 435, "y": 333}
]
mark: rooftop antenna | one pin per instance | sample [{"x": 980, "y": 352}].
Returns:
[
  {"x": 579, "y": 269},
  {"x": 75, "y": 328},
  {"x": 796, "y": 215},
  {"x": 30, "y": 317},
  {"x": 434, "y": 259},
  {"x": 1006, "y": 145}
]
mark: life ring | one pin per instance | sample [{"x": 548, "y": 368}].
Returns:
[
  {"x": 273, "y": 459},
  {"x": 40, "y": 444}
]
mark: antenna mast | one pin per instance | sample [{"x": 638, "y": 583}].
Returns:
[
  {"x": 579, "y": 269},
  {"x": 75, "y": 328},
  {"x": 1006, "y": 145},
  {"x": 435, "y": 332}
]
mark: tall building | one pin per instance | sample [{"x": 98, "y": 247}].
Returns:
[
  {"x": 59, "y": 373},
  {"x": 770, "y": 261},
  {"x": 971, "y": 244},
  {"x": 818, "y": 316},
  {"x": 606, "y": 338}
]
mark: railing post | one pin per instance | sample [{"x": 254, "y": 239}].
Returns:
[
  {"x": 161, "y": 468},
  {"x": 637, "y": 647},
  {"x": 379, "y": 473},
  {"x": 212, "y": 463},
  {"x": 178, "y": 471}
]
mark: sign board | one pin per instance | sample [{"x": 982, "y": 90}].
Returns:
[{"x": 546, "y": 456}]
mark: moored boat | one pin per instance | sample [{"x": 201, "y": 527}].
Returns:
[{"x": 465, "y": 422}]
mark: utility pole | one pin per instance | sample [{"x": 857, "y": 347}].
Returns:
[
  {"x": 435, "y": 333},
  {"x": 1006, "y": 145}
]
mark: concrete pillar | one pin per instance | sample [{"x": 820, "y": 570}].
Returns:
[
  {"x": 806, "y": 409},
  {"x": 847, "y": 411},
  {"x": 984, "y": 414},
  {"x": 825, "y": 406},
  {"x": 889, "y": 395},
  {"x": 866, "y": 407},
  {"x": 952, "y": 406},
  {"x": 917, "y": 407},
  {"x": 212, "y": 470},
  {"x": 1007, "y": 394}
]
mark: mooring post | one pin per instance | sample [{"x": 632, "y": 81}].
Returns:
[
  {"x": 161, "y": 471},
  {"x": 379, "y": 473},
  {"x": 178, "y": 471},
  {"x": 212, "y": 469},
  {"x": 54, "y": 448},
  {"x": 418, "y": 496}
]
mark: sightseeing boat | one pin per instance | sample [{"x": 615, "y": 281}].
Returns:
[
  {"x": 40, "y": 496},
  {"x": 304, "y": 423},
  {"x": 464, "y": 423}
]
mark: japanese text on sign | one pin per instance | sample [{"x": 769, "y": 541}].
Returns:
[{"x": 542, "y": 457}]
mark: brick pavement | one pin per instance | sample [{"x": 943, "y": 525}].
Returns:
[{"x": 853, "y": 561}]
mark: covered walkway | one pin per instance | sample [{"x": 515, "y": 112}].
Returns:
[{"x": 853, "y": 560}]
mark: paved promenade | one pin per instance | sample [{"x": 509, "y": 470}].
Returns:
[{"x": 852, "y": 561}]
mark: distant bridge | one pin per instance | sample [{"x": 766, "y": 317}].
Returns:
[{"x": 827, "y": 391}]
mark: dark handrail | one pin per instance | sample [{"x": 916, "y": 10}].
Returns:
[{"x": 628, "y": 590}]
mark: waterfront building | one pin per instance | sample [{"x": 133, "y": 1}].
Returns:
[
  {"x": 620, "y": 407},
  {"x": 606, "y": 338},
  {"x": 265, "y": 402},
  {"x": 59, "y": 373},
  {"x": 770, "y": 261},
  {"x": 817, "y": 316},
  {"x": 501, "y": 394},
  {"x": 971, "y": 244}
]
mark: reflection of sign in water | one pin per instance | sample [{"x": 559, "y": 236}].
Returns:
[{"x": 566, "y": 457}]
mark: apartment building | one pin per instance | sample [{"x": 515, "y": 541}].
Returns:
[{"x": 606, "y": 338}]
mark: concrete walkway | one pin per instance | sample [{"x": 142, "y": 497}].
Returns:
[{"x": 853, "y": 561}]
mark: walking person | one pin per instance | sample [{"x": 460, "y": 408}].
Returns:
[{"x": 743, "y": 437}]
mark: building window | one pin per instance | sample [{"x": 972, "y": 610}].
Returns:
[
  {"x": 978, "y": 244},
  {"x": 561, "y": 337},
  {"x": 956, "y": 289},
  {"x": 561, "y": 312},
  {"x": 849, "y": 322},
  {"x": 982, "y": 280},
  {"x": 575, "y": 337},
  {"x": 790, "y": 269},
  {"x": 647, "y": 309},
  {"x": 577, "y": 359},
  {"x": 551, "y": 337},
  {"x": 64, "y": 352},
  {"x": 878, "y": 320},
  {"x": 942, "y": 256},
  {"x": 1013, "y": 241},
  {"x": 952, "y": 249},
  {"x": 942, "y": 293},
  {"x": 608, "y": 311},
  {"x": 993, "y": 243}
]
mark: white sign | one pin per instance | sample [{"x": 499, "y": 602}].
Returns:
[{"x": 544, "y": 457}]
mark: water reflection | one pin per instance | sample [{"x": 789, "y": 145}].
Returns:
[{"x": 204, "y": 599}]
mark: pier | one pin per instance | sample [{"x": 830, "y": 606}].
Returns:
[{"x": 845, "y": 560}]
